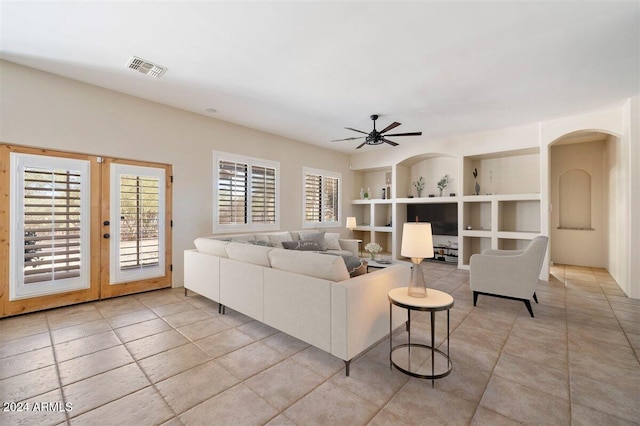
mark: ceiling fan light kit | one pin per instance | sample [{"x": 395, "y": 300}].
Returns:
[{"x": 376, "y": 137}]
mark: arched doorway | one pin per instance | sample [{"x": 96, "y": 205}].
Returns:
[{"x": 583, "y": 198}]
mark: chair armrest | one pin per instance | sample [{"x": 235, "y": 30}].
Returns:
[
  {"x": 350, "y": 245},
  {"x": 514, "y": 276}
]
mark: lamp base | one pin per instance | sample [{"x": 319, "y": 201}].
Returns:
[{"x": 417, "y": 286}]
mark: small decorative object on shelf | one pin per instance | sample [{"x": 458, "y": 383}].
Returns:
[
  {"x": 366, "y": 194},
  {"x": 362, "y": 193},
  {"x": 373, "y": 249},
  {"x": 477, "y": 186},
  {"x": 419, "y": 184},
  {"x": 442, "y": 183}
]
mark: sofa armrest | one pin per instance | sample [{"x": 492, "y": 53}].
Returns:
[
  {"x": 350, "y": 245},
  {"x": 360, "y": 310},
  {"x": 514, "y": 276}
]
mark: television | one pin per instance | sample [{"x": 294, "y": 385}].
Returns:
[{"x": 443, "y": 217}]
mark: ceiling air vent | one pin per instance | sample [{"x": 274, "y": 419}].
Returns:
[{"x": 146, "y": 67}]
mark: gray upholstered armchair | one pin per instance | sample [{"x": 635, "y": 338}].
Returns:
[{"x": 510, "y": 274}]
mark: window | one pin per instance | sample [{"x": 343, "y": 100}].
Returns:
[
  {"x": 245, "y": 193},
  {"x": 321, "y": 198},
  {"x": 50, "y": 207}
]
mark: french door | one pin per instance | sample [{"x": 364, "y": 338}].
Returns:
[{"x": 57, "y": 245}]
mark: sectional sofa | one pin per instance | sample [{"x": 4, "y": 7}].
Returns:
[{"x": 308, "y": 295}]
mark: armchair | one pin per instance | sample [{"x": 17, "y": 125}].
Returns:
[{"x": 509, "y": 274}]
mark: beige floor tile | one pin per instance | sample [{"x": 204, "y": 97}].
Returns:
[
  {"x": 552, "y": 353},
  {"x": 86, "y": 345},
  {"x": 284, "y": 383},
  {"x": 584, "y": 416},
  {"x": 156, "y": 298},
  {"x": 385, "y": 417},
  {"x": 144, "y": 407},
  {"x": 524, "y": 404},
  {"x": 103, "y": 388},
  {"x": 281, "y": 420},
  {"x": 285, "y": 344},
  {"x": 224, "y": 342},
  {"x": 118, "y": 306},
  {"x": 330, "y": 404},
  {"x": 479, "y": 336},
  {"x": 618, "y": 400},
  {"x": 156, "y": 343},
  {"x": 201, "y": 329},
  {"x": 141, "y": 329},
  {"x": 23, "y": 325},
  {"x": 484, "y": 417},
  {"x": 86, "y": 329},
  {"x": 371, "y": 381},
  {"x": 249, "y": 360},
  {"x": 27, "y": 385},
  {"x": 187, "y": 317},
  {"x": 634, "y": 339},
  {"x": 173, "y": 308},
  {"x": 257, "y": 330},
  {"x": 417, "y": 401},
  {"x": 191, "y": 387},
  {"x": 235, "y": 318},
  {"x": 236, "y": 406},
  {"x": 130, "y": 318},
  {"x": 594, "y": 336},
  {"x": 166, "y": 364},
  {"x": 72, "y": 315},
  {"x": 542, "y": 377},
  {"x": 80, "y": 368},
  {"x": 630, "y": 326},
  {"x": 46, "y": 409},
  {"x": 319, "y": 361},
  {"x": 173, "y": 422},
  {"x": 24, "y": 344},
  {"x": 26, "y": 361}
]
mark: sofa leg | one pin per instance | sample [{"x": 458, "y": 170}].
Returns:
[
  {"x": 475, "y": 298},
  {"x": 346, "y": 368},
  {"x": 221, "y": 308},
  {"x": 535, "y": 297},
  {"x": 185, "y": 292},
  {"x": 528, "y": 305}
]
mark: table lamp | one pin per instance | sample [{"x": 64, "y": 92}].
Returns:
[
  {"x": 351, "y": 224},
  {"x": 417, "y": 243}
]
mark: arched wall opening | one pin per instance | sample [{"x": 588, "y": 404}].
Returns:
[{"x": 584, "y": 199}]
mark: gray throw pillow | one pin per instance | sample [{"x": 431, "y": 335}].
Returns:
[
  {"x": 301, "y": 245},
  {"x": 355, "y": 265},
  {"x": 318, "y": 237}
]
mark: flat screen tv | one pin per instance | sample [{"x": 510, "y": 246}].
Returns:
[{"x": 443, "y": 217}]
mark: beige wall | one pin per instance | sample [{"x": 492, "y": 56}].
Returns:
[{"x": 42, "y": 110}]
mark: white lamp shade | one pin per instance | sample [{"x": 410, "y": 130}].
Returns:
[
  {"x": 417, "y": 241},
  {"x": 351, "y": 223}
]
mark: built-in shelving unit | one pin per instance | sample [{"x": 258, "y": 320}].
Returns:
[{"x": 504, "y": 215}]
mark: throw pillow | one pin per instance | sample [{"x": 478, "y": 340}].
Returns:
[
  {"x": 318, "y": 237},
  {"x": 355, "y": 265},
  {"x": 276, "y": 239},
  {"x": 301, "y": 245},
  {"x": 332, "y": 241}
]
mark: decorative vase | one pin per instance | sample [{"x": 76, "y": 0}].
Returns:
[
  {"x": 374, "y": 256},
  {"x": 419, "y": 193},
  {"x": 477, "y": 188},
  {"x": 441, "y": 192}
]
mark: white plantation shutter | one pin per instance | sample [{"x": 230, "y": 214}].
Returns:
[
  {"x": 245, "y": 193},
  {"x": 321, "y": 198},
  {"x": 50, "y": 235}
]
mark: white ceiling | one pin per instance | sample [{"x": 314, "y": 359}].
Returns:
[{"x": 306, "y": 70}]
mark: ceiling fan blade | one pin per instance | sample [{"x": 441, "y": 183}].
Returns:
[
  {"x": 356, "y": 130},
  {"x": 361, "y": 145},
  {"x": 348, "y": 139},
  {"x": 406, "y": 134},
  {"x": 392, "y": 143},
  {"x": 390, "y": 126}
]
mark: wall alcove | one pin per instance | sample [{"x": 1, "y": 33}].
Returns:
[{"x": 574, "y": 191}]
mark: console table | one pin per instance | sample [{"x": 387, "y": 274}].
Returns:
[{"x": 435, "y": 301}]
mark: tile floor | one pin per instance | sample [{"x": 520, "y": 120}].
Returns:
[{"x": 163, "y": 358}]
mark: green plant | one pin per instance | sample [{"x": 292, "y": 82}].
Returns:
[
  {"x": 442, "y": 183},
  {"x": 419, "y": 184}
]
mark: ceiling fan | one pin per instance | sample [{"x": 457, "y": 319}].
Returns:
[{"x": 377, "y": 137}]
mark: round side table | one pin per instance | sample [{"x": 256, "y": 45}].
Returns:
[{"x": 435, "y": 301}]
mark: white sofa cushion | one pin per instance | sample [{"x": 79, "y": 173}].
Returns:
[
  {"x": 311, "y": 264},
  {"x": 211, "y": 246},
  {"x": 332, "y": 239},
  {"x": 258, "y": 255}
]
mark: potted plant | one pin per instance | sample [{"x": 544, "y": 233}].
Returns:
[
  {"x": 373, "y": 249},
  {"x": 419, "y": 184},
  {"x": 442, "y": 183}
]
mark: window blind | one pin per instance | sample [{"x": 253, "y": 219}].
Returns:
[
  {"x": 263, "y": 195},
  {"x": 139, "y": 221},
  {"x": 321, "y": 198},
  {"x": 232, "y": 193},
  {"x": 51, "y": 224}
]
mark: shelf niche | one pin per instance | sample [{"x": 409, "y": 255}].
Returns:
[{"x": 432, "y": 167}]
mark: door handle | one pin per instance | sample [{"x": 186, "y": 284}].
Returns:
[{"x": 106, "y": 236}]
